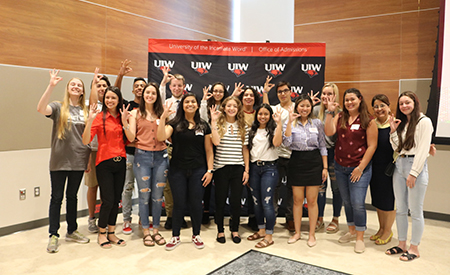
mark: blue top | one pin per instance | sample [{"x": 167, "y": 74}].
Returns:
[{"x": 308, "y": 137}]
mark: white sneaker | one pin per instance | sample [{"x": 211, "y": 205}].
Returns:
[
  {"x": 347, "y": 238},
  {"x": 173, "y": 243},
  {"x": 92, "y": 225},
  {"x": 76, "y": 237},
  {"x": 197, "y": 241},
  {"x": 53, "y": 245}
]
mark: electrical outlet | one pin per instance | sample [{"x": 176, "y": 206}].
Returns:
[
  {"x": 37, "y": 191},
  {"x": 23, "y": 194}
]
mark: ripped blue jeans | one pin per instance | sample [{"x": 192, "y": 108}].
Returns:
[
  {"x": 150, "y": 169},
  {"x": 263, "y": 180}
]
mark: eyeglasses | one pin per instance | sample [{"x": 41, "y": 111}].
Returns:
[
  {"x": 381, "y": 106},
  {"x": 283, "y": 91}
]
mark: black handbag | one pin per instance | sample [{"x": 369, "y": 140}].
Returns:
[{"x": 389, "y": 171}]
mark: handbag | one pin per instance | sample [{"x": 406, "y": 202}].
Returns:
[{"x": 389, "y": 171}]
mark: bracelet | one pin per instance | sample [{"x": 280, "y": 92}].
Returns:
[
  {"x": 126, "y": 128},
  {"x": 329, "y": 112},
  {"x": 360, "y": 170},
  {"x": 245, "y": 172},
  {"x": 326, "y": 168}
]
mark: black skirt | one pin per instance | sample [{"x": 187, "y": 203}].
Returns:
[{"x": 305, "y": 168}]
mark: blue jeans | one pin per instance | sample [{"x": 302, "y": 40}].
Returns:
[
  {"x": 128, "y": 189},
  {"x": 322, "y": 198},
  {"x": 409, "y": 198},
  {"x": 263, "y": 180},
  {"x": 187, "y": 188},
  {"x": 354, "y": 194},
  {"x": 150, "y": 168}
]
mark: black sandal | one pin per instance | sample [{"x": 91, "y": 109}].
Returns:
[
  {"x": 408, "y": 256},
  {"x": 105, "y": 245},
  {"x": 394, "y": 250},
  {"x": 120, "y": 242}
]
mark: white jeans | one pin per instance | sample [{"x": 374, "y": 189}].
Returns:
[{"x": 409, "y": 198}]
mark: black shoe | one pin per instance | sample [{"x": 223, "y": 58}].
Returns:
[
  {"x": 184, "y": 224},
  {"x": 168, "y": 224},
  {"x": 253, "y": 224},
  {"x": 205, "y": 218},
  {"x": 236, "y": 239},
  {"x": 221, "y": 239}
]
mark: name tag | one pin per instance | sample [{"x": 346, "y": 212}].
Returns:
[
  {"x": 199, "y": 133},
  {"x": 313, "y": 130},
  {"x": 157, "y": 122},
  {"x": 354, "y": 127}
]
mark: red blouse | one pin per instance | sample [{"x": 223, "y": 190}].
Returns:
[
  {"x": 351, "y": 143},
  {"x": 112, "y": 144}
]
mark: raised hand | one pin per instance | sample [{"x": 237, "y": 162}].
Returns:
[
  {"x": 394, "y": 123},
  {"x": 238, "y": 89},
  {"x": 167, "y": 77},
  {"x": 54, "y": 78},
  {"x": 292, "y": 115},
  {"x": 215, "y": 114},
  {"x": 267, "y": 85},
  {"x": 277, "y": 116},
  {"x": 314, "y": 97},
  {"x": 93, "y": 111},
  {"x": 332, "y": 104},
  {"x": 125, "y": 68},
  {"x": 167, "y": 111},
  {"x": 125, "y": 114},
  {"x": 206, "y": 94},
  {"x": 97, "y": 76}
]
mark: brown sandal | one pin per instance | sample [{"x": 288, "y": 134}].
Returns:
[
  {"x": 264, "y": 243},
  {"x": 160, "y": 240},
  {"x": 255, "y": 236},
  {"x": 147, "y": 241}
]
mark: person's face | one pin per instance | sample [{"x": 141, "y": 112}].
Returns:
[
  {"x": 101, "y": 87},
  {"x": 176, "y": 87},
  {"x": 75, "y": 87},
  {"x": 381, "y": 110},
  {"x": 284, "y": 94},
  {"x": 263, "y": 117},
  {"x": 190, "y": 105},
  {"x": 248, "y": 99},
  {"x": 231, "y": 108},
  {"x": 138, "y": 87},
  {"x": 111, "y": 101},
  {"x": 352, "y": 102},
  {"x": 304, "y": 108},
  {"x": 406, "y": 105},
  {"x": 327, "y": 92},
  {"x": 218, "y": 92},
  {"x": 150, "y": 95}
]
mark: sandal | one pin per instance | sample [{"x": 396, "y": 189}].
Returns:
[
  {"x": 333, "y": 227},
  {"x": 119, "y": 242},
  {"x": 148, "y": 240},
  {"x": 374, "y": 237},
  {"x": 160, "y": 240},
  {"x": 105, "y": 245},
  {"x": 408, "y": 256},
  {"x": 394, "y": 250},
  {"x": 264, "y": 243},
  {"x": 379, "y": 241},
  {"x": 255, "y": 237},
  {"x": 319, "y": 225}
]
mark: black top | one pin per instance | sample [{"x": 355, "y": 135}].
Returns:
[
  {"x": 189, "y": 148},
  {"x": 384, "y": 153}
]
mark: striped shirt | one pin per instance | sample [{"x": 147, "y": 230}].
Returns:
[
  {"x": 306, "y": 137},
  {"x": 229, "y": 151}
]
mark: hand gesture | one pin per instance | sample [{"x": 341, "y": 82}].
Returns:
[
  {"x": 167, "y": 111},
  {"x": 267, "y": 85},
  {"x": 167, "y": 77},
  {"x": 125, "y": 68},
  {"x": 238, "y": 89},
  {"x": 332, "y": 104},
  {"x": 97, "y": 76},
  {"x": 215, "y": 114},
  {"x": 277, "y": 116},
  {"x": 54, "y": 78},
  {"x": 206, "y": 94},
  {"x": 314, "y": 97},
  {"x": 125, "y": 114},
  {"x": 292, "y": 115},
  {"x": 93, "y": 111},
  {"x": 394, "y": 123}
]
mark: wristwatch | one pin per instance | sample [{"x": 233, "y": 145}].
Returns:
[{"x": 210, "y": 171}]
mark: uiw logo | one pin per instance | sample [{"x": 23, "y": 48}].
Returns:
[
  {"x": 201, "y": 67},
  {"x": 275, "y": 69},
  {"x": 238, "y": 69},
  {"x": 311, "y": 69},
  {"x": 164, "y": 63}
]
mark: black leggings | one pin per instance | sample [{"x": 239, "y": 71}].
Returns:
[{"x": 111, "y": 178}]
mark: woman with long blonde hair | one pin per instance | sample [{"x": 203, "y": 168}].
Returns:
[{"x": 68, "y": 157}]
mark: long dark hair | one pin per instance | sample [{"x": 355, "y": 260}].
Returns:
[
  {"x": 115, "y": 90},
  {"x": 255, "y": 95},
  {"x": 211, "y": 101},
  {"x": 157, "y": 106},
  {"x": 270, "y": 126},
  {"x": 179, "y": 122},
  {"x": 363, "y": 110},
  {"x": 409, "y": 142}
]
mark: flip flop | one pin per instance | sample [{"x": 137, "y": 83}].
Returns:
[
  {"x": 254, "y": 236},
  {"x": 394, "y": 250},
  {"x": 264, "y": 243},
  {"x": 408, "y": 256}
]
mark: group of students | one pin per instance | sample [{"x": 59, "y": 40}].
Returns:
[{"x": 234, "y": 141}]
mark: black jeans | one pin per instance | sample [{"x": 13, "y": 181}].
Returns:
[
  {"x": 282, "y": 165},
  {"x": 227, "y": 178},
  {"x": 58, "y": 181},
  {"x": 111, "y": 178},
  {"x": 187, "y": 188}
]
